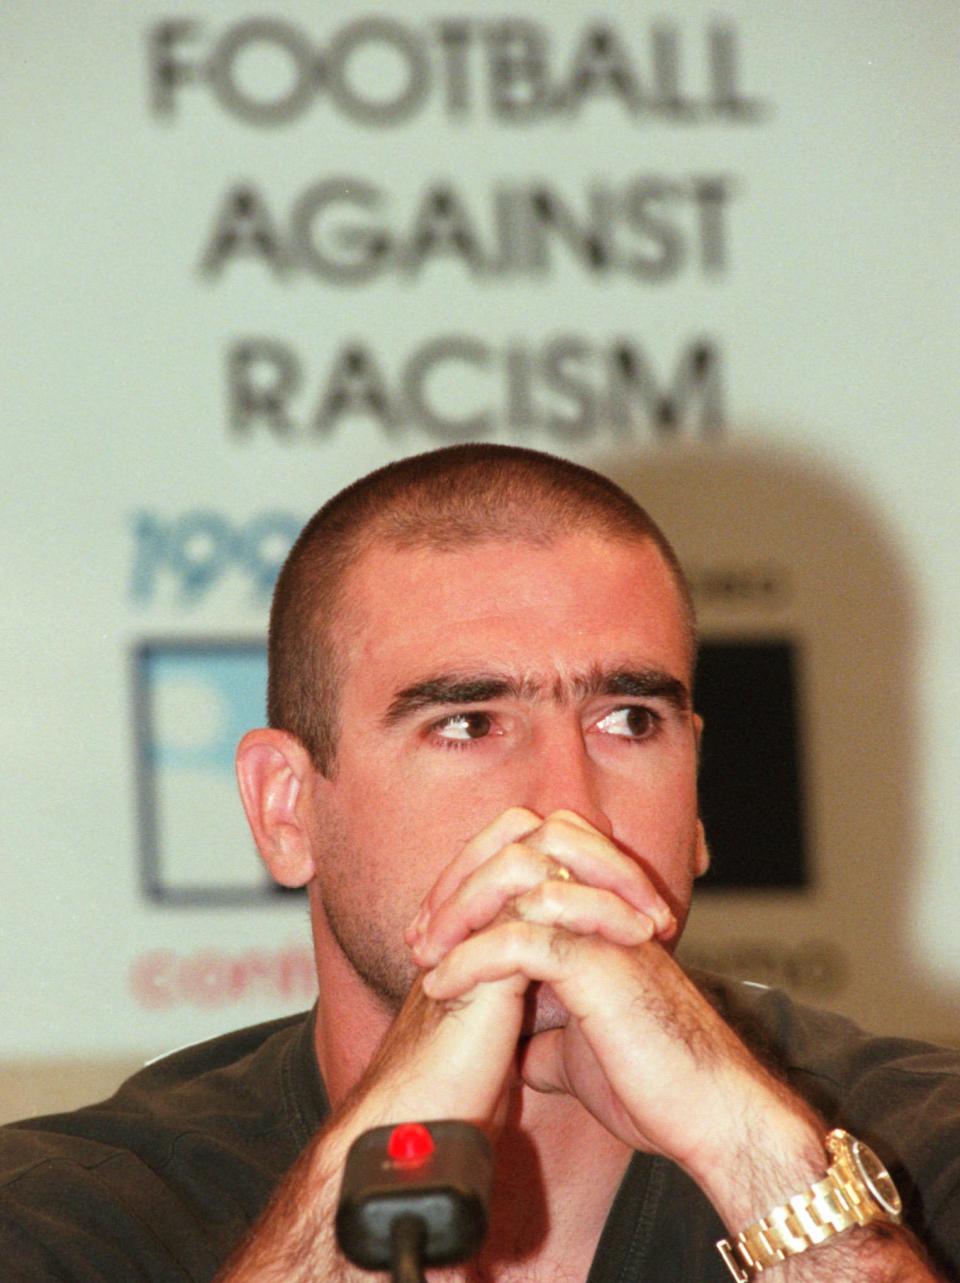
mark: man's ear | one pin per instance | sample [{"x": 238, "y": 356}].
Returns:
[
  {"x": 701, "y": 854},
  {"x": 276, "y": 775}
]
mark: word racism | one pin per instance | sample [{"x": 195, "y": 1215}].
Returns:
[
  {"x": 458, "y": 387},
  {"x": 347, "y": 231},
  {"x": 376, "y": 71}
]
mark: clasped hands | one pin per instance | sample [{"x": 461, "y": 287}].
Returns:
[{"x": 554, "y": 901}]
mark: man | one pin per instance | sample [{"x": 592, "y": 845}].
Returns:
[{"x": 481, "y": 762}]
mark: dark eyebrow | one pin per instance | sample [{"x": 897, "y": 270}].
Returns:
[
  {"x": 451, "y": 689},
  {"x": 640, "y": 683},
  {"x": 444, "y": 689}
]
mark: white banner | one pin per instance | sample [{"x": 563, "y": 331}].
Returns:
[{"x": 252, "y": 252}]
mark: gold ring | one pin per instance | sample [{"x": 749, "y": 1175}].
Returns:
[{"x": 560, "y": 873}]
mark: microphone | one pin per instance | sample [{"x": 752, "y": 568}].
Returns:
[{"x": 414, "y": 1194}]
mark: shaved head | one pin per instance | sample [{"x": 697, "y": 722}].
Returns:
[{"x": 445, "y": 500}]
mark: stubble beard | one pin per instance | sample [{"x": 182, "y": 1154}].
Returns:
[
  {"x": 381, "y": 965},
  {"x": 364, "y": 922}
]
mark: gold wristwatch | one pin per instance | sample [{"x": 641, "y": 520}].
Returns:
[{"x": 857, "y": 1190}]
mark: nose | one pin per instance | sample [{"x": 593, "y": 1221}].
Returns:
[{"x": 562, "y": 777}]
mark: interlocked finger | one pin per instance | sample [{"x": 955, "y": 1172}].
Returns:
[
  {"x": 582, "y": 910},
  {"x": 563, "y": 849},
  {"x": 483, "y": 896}
]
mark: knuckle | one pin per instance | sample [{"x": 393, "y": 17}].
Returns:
[
  {"x": 562, "y": 943},
  {"x": 514, "y": 858},
  {"x": 566, "y": 817},
  {"x": 518, "y": 935},
  {"x": 534, "y": 905},
  {"x": 520, "y": 815},
  {"x": 548, "y": 898},
  {"x": 555, "y": 827}
]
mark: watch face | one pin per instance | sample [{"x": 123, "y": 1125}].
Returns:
[{"x": 876, "y": 1178}]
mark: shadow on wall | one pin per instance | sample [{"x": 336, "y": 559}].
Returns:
[{"x": 809, "y": 624}]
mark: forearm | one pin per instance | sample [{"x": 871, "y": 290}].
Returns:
[
  {"x": 293, "y": 1241},
  {"x": 429, "y": 1066}
]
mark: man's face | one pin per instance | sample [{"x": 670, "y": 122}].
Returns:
[{"x": 503, "y": 674}]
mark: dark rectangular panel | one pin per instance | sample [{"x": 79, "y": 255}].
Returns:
[{"x": 751, "y": 794}]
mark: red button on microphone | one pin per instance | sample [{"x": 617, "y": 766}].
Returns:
[
  {"x": 410, "y": 1143},
  {"x": 436, "y": 1176}
]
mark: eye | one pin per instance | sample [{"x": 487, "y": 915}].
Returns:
[
  {"x": 464, "y": 726},
  {"x": 633, "y": 721}
]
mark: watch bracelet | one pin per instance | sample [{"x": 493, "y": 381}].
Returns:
[{"x": 804, "y": 1221}]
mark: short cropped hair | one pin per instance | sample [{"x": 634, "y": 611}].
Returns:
[{"x": 445, "y": 499}]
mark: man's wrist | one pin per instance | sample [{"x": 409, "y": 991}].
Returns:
[
  {"x": 771, "y": 1146},
  {"x": 856, "y": 1191}
]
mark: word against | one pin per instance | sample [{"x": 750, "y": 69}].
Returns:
[
  {"x": 193, "y": 553},
  {"x": 379, "y": 72},
  {"x": 347, "y": 231}
]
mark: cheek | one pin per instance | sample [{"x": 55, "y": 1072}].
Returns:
[
  {"x": 663, "y": 783},
  {"x": 427, "y": 804},
  {"x": 395, "y": 834},
  {"x": 655, "y": 820}
]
